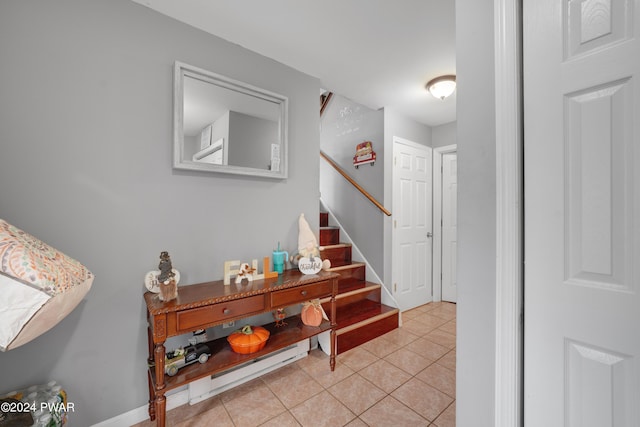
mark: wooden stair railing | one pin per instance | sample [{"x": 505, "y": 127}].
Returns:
[
  {"x": 355, "y": 184},
  {"x": 324, "y": 101}
]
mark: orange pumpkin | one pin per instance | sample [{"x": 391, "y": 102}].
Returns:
[
  {"x": 248, "y": 339},
  {"x": 311, "y": 313}
]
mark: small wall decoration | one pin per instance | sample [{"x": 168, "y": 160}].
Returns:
[{"x": 364, "y": 154}]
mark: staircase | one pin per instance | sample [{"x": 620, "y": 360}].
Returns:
[{"x": 360, "y": 314}]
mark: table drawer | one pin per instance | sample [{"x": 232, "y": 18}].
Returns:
[
  {"x": 196, "y": 318},
  {"x": 300, "y": 294}
]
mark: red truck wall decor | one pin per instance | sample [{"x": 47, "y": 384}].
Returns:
[{"x": 364, "y": 154}]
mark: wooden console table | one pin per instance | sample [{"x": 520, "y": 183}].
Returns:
[{"x": 208, "y": 304}]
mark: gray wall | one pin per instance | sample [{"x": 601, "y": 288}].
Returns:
[
  {"x": 446, "y": 134},
  {"x": 476, "y": 213},
  {"x": 395, "y": 124},
  {"x": 85, "y": 165},
  {"x": 345, "y": 124},
  {"x": 250, "y": 140}
]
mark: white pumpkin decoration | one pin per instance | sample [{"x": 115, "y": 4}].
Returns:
[{"x": 310, "y": 265}]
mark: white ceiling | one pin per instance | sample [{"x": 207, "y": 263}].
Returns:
[{"x": 379, "y": 53}]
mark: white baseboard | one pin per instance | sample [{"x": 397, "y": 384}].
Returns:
[
  {"x": 357, "y": 255},
  {"x": 205, "y": 388},
  {"x": 141, "y": 414}
]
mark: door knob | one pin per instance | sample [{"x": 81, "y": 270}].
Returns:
[{"x": 429, "y": 234}]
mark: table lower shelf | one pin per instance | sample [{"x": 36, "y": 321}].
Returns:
[{"x": 223, "y": 358}]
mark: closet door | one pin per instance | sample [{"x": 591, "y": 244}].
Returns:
[{"x": 582, "y": 212}]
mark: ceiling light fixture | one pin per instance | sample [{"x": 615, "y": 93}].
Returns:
[{"x": 442, "y": 87}]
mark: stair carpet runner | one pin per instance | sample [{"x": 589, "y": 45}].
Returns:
[{"x": 360, "y": 314}]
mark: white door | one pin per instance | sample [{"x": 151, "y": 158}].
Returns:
[
  {"x": 582, "y": 212},
  {"x": 449, "y": 226},
  {"x": 412, "y": 228}
]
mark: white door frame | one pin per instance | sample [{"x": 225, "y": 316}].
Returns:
[
  {"x": 509, "y": 392},
  {"x": 436, "y": 281}
]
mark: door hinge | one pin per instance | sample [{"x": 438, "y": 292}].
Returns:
[
  {"x": 395, "y": 223},
  {"x": 395, "y": 288}
]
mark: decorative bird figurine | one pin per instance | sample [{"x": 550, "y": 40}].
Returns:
[{"x": 280, "y": 315}]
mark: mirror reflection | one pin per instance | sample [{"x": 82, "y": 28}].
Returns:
[{"x": 223, "y": 125}]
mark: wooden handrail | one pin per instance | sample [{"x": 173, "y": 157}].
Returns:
[
  {"x": 325, "y": 101},
  {"x": 355, "y": 184}
]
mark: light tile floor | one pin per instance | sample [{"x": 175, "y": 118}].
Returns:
[{"x": 403, "y": 378}]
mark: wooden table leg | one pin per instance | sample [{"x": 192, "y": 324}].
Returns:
[
  {"x": 161, "y": 410},
  {"x": 332, "y": 358},
  {"x": 334, "y": 324},
  {"x": 152, "y": 398},
  {"x": 159, "y": 361},
  {"x": 150, "y": 361},
  {"x": 160, "y": 400}
]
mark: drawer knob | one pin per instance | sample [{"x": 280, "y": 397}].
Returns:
[
  {"x": 226, "y": 311},
  {"x": 304, "y": 293}
]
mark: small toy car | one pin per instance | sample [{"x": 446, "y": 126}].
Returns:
[{"x": 182, "y": 357}]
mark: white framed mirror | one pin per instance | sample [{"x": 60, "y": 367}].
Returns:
[{"x": 226, "y": 126}]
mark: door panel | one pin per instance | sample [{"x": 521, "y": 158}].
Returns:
[
  {"x": 582, "y": 201},
  {"x": 412, "y": 219},
  {"x": 595, "y": 186}
]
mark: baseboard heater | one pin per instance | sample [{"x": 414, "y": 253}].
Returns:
[{"x": 207, "y": 387}]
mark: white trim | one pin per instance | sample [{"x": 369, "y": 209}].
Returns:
[
  {"x": 509, "y": 196},
  {"x": 436, "y": 268},
  {"x": 141, "y": 414},
  {"x": 207, "y": 387},
  {"x": 397, "y": 139},
  {"x": 372, "y": 276}
]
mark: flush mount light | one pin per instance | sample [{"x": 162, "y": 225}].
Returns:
[{"x": 441, "y": 87}]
